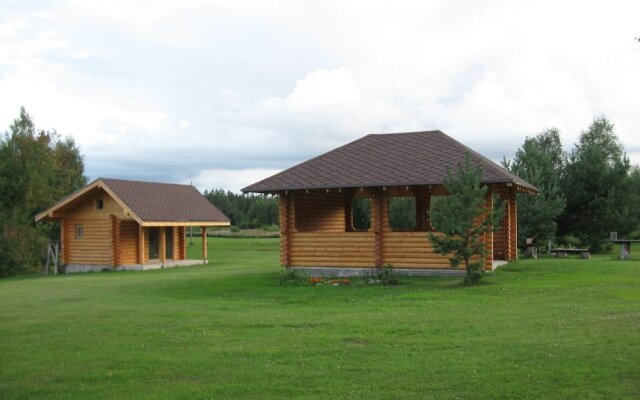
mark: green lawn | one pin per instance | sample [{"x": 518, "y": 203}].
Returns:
[{"x": 536, "y": 329}]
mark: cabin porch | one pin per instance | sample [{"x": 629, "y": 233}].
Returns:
[{"x": 126, "y": 245}]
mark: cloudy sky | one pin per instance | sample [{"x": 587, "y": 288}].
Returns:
[{"x": 223, "y": 93}]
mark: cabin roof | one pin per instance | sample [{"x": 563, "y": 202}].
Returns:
[
  {"x": 393, "y": 159},
  {"x": 149, "y": 202}
]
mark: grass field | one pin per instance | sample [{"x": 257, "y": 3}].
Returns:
[{"x": 536, "y": 329}]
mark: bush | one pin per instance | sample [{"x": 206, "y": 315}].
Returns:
[
  {"x": 635, "y": 235},
  {"x": 270, "y": 228},
  {"x": 294, "y": 276},
  {"x": 234, "y": 229},
  {"x": 387, "y": 275},
  {"x": 23, "y": 249},
  {"x": 570, "y": 241}
]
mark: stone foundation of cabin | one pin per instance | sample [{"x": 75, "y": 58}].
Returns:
[
  {"x": 77, "y": 268},
  {"x": 363, "y": 272}
]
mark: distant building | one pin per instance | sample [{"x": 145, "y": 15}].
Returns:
[{"x": 113, "y": 223}]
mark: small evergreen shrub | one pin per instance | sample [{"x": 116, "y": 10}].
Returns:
[
  {"x": 387, "y": 275},
  {"x": 293, "y": 276}
]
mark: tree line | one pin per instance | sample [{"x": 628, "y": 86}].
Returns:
[
  {"x": 584, "y": 194},
  {"x": 245, "y": 211},
  {"x": 37, "y": 168}
]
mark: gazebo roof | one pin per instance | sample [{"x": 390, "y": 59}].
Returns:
[{"x": 394, "y": 159}]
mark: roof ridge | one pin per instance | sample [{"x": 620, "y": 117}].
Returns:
[
  {"x": 139, "y": 181},
  {"x": 405, "y": 133}
]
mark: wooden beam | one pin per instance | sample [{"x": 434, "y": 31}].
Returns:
[
  {"x": 283, "y": 207},
  {"x": 377, "y": 226},
  {"x": 348, "y": 215},
  {"x": 115, "y": 241},
  {"x": 205, "y": 254},
  {"x": 488, "y": 233},
  {"x": 420, "y": 195},
  {"x": 150, "y": 224},
  {"x": 63, "y": 241},
  {"x": 513, "y": 225},
  {"x": 163, "y": 245},
  {"x": 140, "y": 244},
  {"x": 183, "y": 243}
]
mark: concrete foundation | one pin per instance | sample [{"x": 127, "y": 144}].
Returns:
[
  {"x": 76, "y": 268},
  {"x": 354, "y": 272}
]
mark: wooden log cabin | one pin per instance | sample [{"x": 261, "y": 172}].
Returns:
[
  {"x": 320, "y": 200},
  {"x": 123, "y": 224}
]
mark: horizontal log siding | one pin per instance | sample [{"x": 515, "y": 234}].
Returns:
[
  {"x": 318, "y": 211},
  {"x": 128, "y": 242},
  {"x": 316, "y": 233},
  {"x": 316, "y": 237},
  {"x": 95, "y": 247},
  {"x": 404, "y": 249},
  {"x": 332, "y": 249}
]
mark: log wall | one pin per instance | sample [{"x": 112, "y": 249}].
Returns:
[
  {"x": 327, "y": 244},
  {"x": 313, "y": 233},
  {"x": 505, "y": 246},
  {"x": 408, "y": 249},
  {"x": 128, "y": 242},
  {"x": 107, "y": 238},
  {"x": 96, "y": 245}
]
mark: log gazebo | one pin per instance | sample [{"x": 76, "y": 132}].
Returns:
[{"x": 320, "y": 197}]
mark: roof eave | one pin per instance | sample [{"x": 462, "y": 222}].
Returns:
[{"x": 276, "y": 189}]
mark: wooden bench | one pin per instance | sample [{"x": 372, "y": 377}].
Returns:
[{"x": 561, "y": 252}]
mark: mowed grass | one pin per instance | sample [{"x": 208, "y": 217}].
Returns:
[{"x": 535, "y": 329}]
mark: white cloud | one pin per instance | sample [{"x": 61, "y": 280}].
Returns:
[
  {"x": 173, "y": 91},
  {"x": 233, "y": 180}
]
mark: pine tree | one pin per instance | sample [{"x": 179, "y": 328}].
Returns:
[
  {"x": 539, "y": 161},
  {"x": 462, "y": 219}
]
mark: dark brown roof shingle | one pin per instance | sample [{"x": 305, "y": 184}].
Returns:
[
  {"x": 153, "y": 201},
  {"x": 394, "y": 159}
]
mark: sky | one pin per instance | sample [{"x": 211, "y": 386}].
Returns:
[{"x": 221, "y": 94}]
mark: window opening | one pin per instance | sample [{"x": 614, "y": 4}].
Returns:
[{"x": 402, "y": 213}]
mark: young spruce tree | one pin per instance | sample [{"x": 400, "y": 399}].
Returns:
[{"x": 461, "y": 220}]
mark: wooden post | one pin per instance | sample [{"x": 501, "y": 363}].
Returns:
[
  {"x": 513, "y": 225},
  {"x": 488, "y": 233},
  {"x": 348, "y": 206},
  {"x": 377, "y": 226},
  {"x": 183, "y": 242},
  {"x": 163, "y": 245},
  {"x": 63, "y": 241},
  {"x": 140, "y": 245},
  {"x": 205, "y": 254},
  {"x": 115, "y": 240},
  {"x": 283, "y": 208},
  {"x": 420, "y": 195}
]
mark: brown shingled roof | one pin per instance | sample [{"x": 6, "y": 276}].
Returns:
[
  {"x": 149, "y": 202},
  {"x": 394, "y": 159},
  {"x": 153, "y": 201}
]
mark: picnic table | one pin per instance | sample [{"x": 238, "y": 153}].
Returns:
[
  {"x": 562, "y": 252},
  {"x": 625, "y": 247}
]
